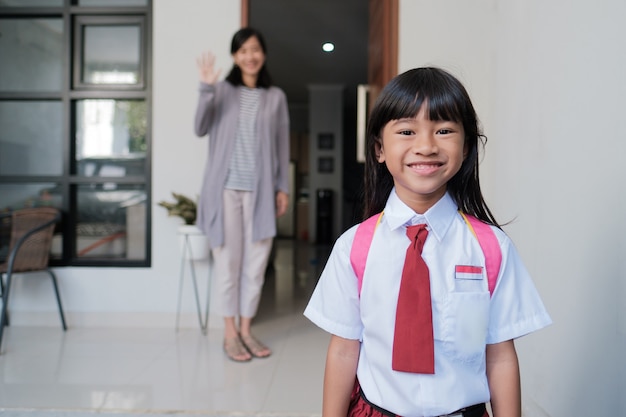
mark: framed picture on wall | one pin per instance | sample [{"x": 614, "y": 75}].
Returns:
[
  {"x": 325, "y": 165},
  {"x": 325, "y": 141}
]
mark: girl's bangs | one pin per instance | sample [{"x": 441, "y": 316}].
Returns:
[
  {"x": 440, "y": 106},
  {"x": 444, "y": 106},
  {"x": 444, "y": 98},
  {"x": 407, "y": 106}
]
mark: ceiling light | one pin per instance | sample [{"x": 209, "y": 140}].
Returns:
[{"x": 328, "y": 47}]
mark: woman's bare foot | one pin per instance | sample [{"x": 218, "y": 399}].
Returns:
[
  {"x": 256, "y": 348},
  {"x": 235, "y": 350}
]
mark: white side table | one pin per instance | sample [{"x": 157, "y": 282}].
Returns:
[{"x": 194, "y": 246}]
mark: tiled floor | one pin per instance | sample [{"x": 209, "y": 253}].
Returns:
[{"x": 161, "y": 370}]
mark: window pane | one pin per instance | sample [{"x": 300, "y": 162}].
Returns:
[
  {"x": 110, "y": 3},
  {"x": 31, "y": 3},
  {"x": 111, "y": 54},
  {"x": 111, "y": 221},
  {"x": 32, "y": 52},
  {"x": 30, "y": 138},
  {"x": 111, "y": 137},
  {"x": 17, "y": 196}
]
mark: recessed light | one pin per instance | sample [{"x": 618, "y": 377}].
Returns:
[{"x": 328, "y": 47}]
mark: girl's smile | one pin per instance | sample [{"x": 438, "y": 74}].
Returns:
[
  {"x": 425, "y": 168},
  {"x": 422, "y": 155}
]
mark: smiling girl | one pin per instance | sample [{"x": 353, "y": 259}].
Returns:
[{"x": 422, "y": 171}]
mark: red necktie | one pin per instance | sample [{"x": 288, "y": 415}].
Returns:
[{"x": 413, "y": 344}]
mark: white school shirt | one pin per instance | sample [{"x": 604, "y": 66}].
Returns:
[{"x": 465, "y": 317}]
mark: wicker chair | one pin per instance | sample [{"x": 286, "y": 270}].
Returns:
[{"x": 29, "y": 250}]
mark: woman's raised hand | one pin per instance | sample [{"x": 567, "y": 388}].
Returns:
[{"x": 206, "y": 68}]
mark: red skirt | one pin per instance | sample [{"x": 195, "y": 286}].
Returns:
[{"x": 361, "y": 407}]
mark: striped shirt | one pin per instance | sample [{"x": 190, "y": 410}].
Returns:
[{"x": 241, "y": 170}]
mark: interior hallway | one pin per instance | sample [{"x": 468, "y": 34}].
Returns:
[{"x": 162, "y": 370}]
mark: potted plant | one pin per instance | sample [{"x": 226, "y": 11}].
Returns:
[
  {"x": 183, "y": 207},
  {"x": 194, "y": 243}
]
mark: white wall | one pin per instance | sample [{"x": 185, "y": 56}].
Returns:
[
  {"x": 148, "y": 296},
  {"x": 548, "y": 81}
]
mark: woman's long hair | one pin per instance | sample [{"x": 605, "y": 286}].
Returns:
[
  {"x": 446, "y": 99},
  {"x": 239, "y": 38}
]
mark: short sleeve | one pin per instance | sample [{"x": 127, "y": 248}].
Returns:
[
  {"x": 334, "y": 305},
  {"x": 516, "y": 308}
]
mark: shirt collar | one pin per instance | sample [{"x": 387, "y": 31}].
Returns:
[{"x": 438, "y": 218}]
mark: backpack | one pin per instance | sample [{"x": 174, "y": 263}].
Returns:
[{"x": 482, "y": 232}]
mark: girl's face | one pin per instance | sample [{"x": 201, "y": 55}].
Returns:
[
  {"x": 250, "y": 58},
  {"x": 422, "y": 155}
]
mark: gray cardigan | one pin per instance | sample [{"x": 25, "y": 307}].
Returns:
[{"x": 216, "y": 115}]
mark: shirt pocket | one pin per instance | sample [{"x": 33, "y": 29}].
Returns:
[{"x": 464, "y": 325}]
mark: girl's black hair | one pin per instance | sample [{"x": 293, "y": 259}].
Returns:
[
  {"x": 446, "y": 99},
  {"x": 239, "y": 38}
]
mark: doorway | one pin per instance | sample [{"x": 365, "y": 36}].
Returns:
[{"x": 364, "y": 34}]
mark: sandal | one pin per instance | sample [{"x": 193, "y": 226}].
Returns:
[
  {"x": 235, "y": 350},
  {"x": 256, "y": 348}
]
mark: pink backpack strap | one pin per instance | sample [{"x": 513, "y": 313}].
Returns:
[
  {"x": 361, "y": 246},
  {"x": 482, "y": 231},
  {"x": 489, "y": 244}
]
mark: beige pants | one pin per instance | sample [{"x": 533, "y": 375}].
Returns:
[{"x": 240, "y": 263}]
